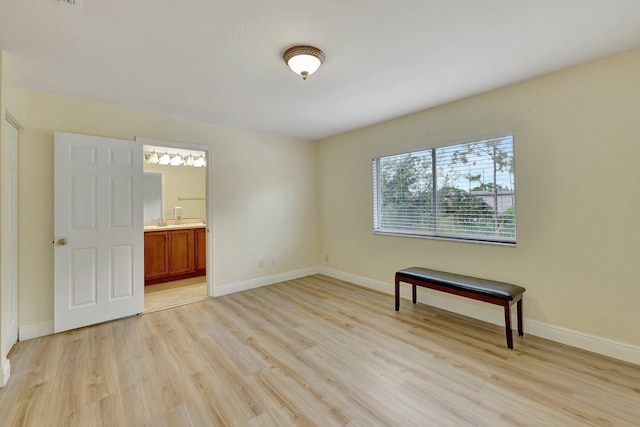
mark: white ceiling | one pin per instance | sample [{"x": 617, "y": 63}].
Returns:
[{"x": 221, "y": 61}]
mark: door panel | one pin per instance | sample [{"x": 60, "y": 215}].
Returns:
[
  {"x": 98, "y": 255},
  {"x": 122, "y": 280},
  {"x": 122, "y": 201},
  {"x": 83, "y": 275},
  {"x": 121, "y": 157},
  {"x": 84, "y": 189}
]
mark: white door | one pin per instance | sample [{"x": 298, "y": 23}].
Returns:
[
  {"x": 9, "y": 232},
  {"x": 98, "y": 230}
]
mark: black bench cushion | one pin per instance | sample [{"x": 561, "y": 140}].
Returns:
[{"x": 500, "y": 290}]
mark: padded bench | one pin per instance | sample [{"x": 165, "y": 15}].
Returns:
[{"x": 498, "y": 293}]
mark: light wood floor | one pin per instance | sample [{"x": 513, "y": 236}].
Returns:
[
  {"x": 172, "y": 294},
  {"x": 311, "y": 352}
]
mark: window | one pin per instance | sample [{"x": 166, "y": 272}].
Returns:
[{"x": 464, "y": 191}]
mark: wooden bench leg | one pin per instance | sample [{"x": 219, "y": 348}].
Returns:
[
  {"x": 397, "y": 294},
  {"x": 507, "y": 324},
  {"x": 414, "y": 296},
  {"x": 520, "y": 328}
]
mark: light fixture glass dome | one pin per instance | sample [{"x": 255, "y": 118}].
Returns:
[
  {"x": 304, "y": 60},
  {"x": 164, "y": 159},
  {"x": 172, "y": 156},
  {"x": 153, "y": 158},
  {"x": 200, "y": 162}
]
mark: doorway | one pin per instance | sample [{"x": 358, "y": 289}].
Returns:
[{"x": 175, "y": 219}]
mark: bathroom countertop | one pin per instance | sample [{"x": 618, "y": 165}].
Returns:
[{"x": 173, "y": 227}]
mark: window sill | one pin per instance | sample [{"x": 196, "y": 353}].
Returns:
[{"x": 449, "y": 239}]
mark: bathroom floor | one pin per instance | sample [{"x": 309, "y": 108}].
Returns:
[{"x": 173, "y": 294}]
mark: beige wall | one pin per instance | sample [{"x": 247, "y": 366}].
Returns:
[
  {"x": 577, "y": 148},
  {"x": 264, "y": 192},
  {"x": 12, "y": 94},
  {"x": 182, "y": 182}
]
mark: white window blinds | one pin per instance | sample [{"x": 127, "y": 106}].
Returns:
[{"x": 464, "y": 191}]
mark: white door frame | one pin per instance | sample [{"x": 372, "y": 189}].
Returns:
[
  {"x": 8, "y": 245},
  {"x": 209, "y": 194}
]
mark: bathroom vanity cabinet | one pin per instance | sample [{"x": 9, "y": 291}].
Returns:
[
  {"x": 174, "y": 254},
  {"x": 200, "y": 235}
]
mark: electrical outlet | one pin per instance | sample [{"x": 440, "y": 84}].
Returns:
[{"x": 261, "y": 263}]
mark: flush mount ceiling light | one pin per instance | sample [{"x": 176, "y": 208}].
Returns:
[{"x": 303, "y": 60}]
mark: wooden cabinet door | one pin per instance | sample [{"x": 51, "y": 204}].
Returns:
[
  {"x": 181, "y": 251},
  {"x": 201, "y": 249},
  {"x": 156, "y": 254}
]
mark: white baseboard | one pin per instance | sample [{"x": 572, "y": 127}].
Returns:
[
  {"x": 617, "y": 350},
  {"x": 263, "y": 281},
  {"x": 34, "y": 331},
  {"x": 5, "y": 372}
]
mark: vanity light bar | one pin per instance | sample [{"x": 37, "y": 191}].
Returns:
[
  {"x": 72, "y": 2},
  {"x": 175, "y": 159}
]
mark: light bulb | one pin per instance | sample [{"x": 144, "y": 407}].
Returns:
[
  {"x": 153, "y": 158},
  {"x": 200, "y": 162},
  {"x": 164, "y": 159},
  {"x": 303, "y": 60}
]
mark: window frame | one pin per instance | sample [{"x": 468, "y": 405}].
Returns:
[{"x": 378, "y": 204}]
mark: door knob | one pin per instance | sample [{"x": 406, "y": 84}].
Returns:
[{"x": 62, "y": 242}]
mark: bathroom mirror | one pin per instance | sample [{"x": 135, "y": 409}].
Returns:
[{"x": 152, "y": 196}]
